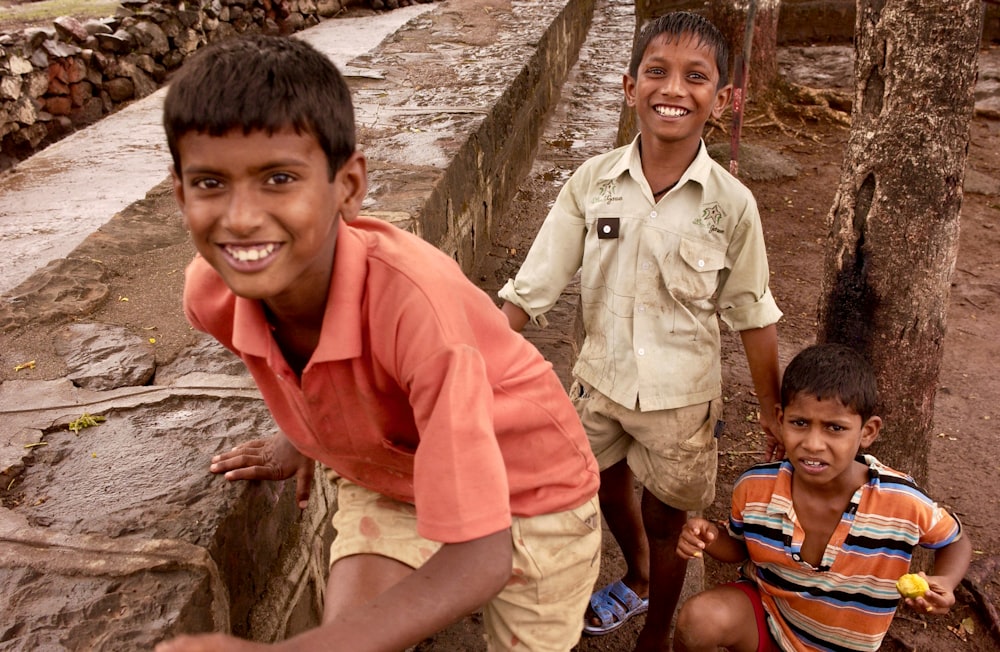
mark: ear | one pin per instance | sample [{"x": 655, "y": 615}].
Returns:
[
  {"x": 628, "y": 84},
  {"x": 870, "y": 430},
  {"x": 722, "y": 97},
  {"x": 351, "y": 184}
]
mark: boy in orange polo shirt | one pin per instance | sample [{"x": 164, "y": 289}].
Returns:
[{"x": 464, "y": 476}]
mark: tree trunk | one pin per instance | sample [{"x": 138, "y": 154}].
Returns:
[
  {"x": 895, "y": 217},
  {"x": 730, "y": 17}
]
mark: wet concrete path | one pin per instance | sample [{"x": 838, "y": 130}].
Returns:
[{"x": 50, "y": 202}]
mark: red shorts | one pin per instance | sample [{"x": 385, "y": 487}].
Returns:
[{"x": 764, "y": 641}]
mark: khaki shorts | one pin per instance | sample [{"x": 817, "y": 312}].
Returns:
[
  {"x": 673, "y": 453},
  {"x": 556, "y": 563}
]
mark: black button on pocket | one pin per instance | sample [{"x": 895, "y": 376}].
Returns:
[{"x": 607, "y": 227}]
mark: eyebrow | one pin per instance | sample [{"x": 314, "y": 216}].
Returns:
[{"x": 270, "y": 165}]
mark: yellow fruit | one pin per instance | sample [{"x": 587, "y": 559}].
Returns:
[{"x": 911, "y": 585}]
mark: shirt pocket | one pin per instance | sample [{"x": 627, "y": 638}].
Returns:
[{"x": 695, "y": 275}]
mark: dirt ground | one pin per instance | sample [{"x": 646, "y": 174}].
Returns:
[{"x": 144, "y": 292}]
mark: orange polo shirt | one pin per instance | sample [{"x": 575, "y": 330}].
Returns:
[{"x": 418, "y": 389}]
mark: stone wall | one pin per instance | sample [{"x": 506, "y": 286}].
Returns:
[{"x": 57, "y": 78}]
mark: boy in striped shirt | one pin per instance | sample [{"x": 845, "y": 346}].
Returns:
[{"x": 824, "y": 534}]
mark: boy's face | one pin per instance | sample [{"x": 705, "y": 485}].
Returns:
[
  {"x": 822, "y": 438},
  {"x": 264, "y": 213},
  {"x": 676, "y": 89}
]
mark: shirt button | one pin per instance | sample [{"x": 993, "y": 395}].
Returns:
[
  {"x": 641, "y": 351},
  {"x": 606, "y": 228},
  {"x": 645, "y": 265},
  {"x": 652, "y": 215},
  {"x": 642, "y": 308},
  {"x": 701, "y": 263},
  {"x": 797, "y": 557}
]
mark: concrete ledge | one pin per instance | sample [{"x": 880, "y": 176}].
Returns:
[{"x": 450, "y": 132}]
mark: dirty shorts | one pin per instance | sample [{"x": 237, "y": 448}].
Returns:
[
  {"x": 556, "y": 559},
  {"x": 673, "y": 453}
]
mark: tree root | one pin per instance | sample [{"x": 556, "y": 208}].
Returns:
[
  {"x": 799, "y": 102},
  {"x": 983, "y": 572}
]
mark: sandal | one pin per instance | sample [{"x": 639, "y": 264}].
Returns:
[{"x": 613, "y": 606}]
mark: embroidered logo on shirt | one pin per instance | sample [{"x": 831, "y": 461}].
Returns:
[
  {"x": 607, "y": 192},
  {"x": 711, "y": 217}
]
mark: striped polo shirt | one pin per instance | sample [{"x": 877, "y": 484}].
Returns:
[{"x": 848, "y": 602}]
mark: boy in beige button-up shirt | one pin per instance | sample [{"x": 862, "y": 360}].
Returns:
[{"x": 665, "y": 240}]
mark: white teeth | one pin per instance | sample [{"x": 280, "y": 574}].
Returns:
[
  {"x": 245, "y": 254},
  {"x": 812, "y": 463},
  {"x": 670, "y": 111}
]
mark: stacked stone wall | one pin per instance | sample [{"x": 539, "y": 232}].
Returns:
[{"x": 57, "y": 78}]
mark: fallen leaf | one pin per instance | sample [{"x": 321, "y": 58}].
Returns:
[{"x": 85, "y": 421}]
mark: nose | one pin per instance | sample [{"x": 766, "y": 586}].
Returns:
[
  {"x": 673, "y": 84},
  {"x": 813, "y": 439},
  {"x": 243, "y": 213}
]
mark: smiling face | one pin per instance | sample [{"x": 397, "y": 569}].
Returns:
[
  {"x": 676, "y": 90},
  {"x": 263, "y": 211},
  {"x": 822, "y": 438}
]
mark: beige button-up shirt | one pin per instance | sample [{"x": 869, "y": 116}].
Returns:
[{"x": 653, "y": 276}]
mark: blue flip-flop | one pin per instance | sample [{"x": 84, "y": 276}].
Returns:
[{"x": 613, "y": 606}]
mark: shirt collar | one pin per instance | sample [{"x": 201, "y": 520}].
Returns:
[
  {"x": 631, "y": 162},
  {"x": 340, "y": 337},
  {"x": 781, "y": 497}
]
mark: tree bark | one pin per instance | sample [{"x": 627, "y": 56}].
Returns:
[
  {"x": 894, "y": 223},
  {"x": 730, "y": 17}
]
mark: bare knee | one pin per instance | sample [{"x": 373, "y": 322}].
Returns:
[
  {"x": 720, "y": 617},
  {"x": 695, "y": 628}
]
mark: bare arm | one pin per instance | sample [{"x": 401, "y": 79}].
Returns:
[
  {"x": 454, "y": 582},
  {"x": 950, "y": 565},
  {"x": 517, "y": 317},
  {"x": 700, "y": 534},
  {"x": 761, "y": 348}
]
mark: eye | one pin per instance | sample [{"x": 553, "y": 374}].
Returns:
[
  {"x": 656, "y": 72},
  {"x": 798, "y": 423},
  {"x": 206, "y": 183},
  {"x": 280, "y": 179}
]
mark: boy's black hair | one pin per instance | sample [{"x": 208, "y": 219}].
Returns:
[
  {"x": 832, "y": 371},
  {"x": 675, "y": 25},
  {"x": 262, "y": 83}
]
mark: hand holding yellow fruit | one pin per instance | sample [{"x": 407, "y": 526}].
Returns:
[{"x": 912, "y": 585}]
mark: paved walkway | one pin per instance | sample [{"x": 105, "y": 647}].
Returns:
[{"x": 50, "y": 202}]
